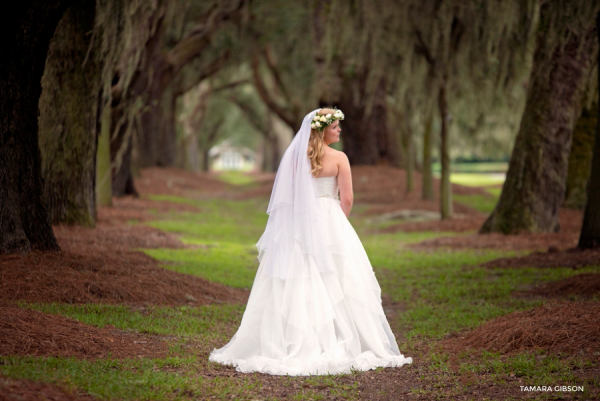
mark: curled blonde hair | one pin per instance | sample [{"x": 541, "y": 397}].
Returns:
[{"x": 316, "y": 145}]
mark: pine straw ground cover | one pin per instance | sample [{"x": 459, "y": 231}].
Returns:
[
  {"x": 18, "y": 390},
  {"x": 557, "y": 327},
  {"x": 431, "y": 296},
  {"x": 29, "y": 332}
]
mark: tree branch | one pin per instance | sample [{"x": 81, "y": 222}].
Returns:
[
  {"x": 422, "y": 48},
  {"x": 272, "y": 64},
  {"x": 200, "y": 37},
  {"x": 210, "y": 70},
  {"x": 264, "y": 94}
]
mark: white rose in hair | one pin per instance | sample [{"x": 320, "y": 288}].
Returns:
[
  {"x": 313, "y": 126},
  {"x": 318, "y": 124},
  {"x": 328, "y": 115}
]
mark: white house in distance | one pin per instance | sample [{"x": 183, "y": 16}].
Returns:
[{"x": 226, "y": 156}]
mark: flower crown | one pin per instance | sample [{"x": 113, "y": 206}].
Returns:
[{"x": 320, "y": 122}]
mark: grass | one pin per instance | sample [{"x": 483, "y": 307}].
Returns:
[
  {"x": 484, "y": 167},
  {"x": 236, "y": 178},
  {"x": 227, "y": 263},
  {"x": 476, "y": 179},
  {"x": 485, "y": 204},
  {"x": 204, "y": 322},
  {"x": 169, "y": 378}
]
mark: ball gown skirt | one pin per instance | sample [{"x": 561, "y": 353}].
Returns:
[{"x": 323, "y": 323}]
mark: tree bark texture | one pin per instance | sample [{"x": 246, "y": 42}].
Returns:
[
  {"x": 120, "y": 155},
  {"x": 205, "y": 160},
  {"x": 25, "y": 34},
  {"x": 580, "y": 158},
  {"x": 445, "y": 187},
  {"x": 68, "y": 119},
  {"x": 427, "y": 185},
  {"x": 590, "y": 230},
  {"x": 409, "y": 159},
  {"x": 535, "y": 182},
  {"x": 366, "y": 138},
  {"x": 103, "y": 161}
]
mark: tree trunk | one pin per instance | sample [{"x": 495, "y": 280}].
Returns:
[
  {"x": 580, "y": 158},
  {"x": 205, "y": 160},
  {"x": 103, "y": 163},
  {"x": 427, "y": 185},
  {"x": 158, "y": 136},
  {"x": 120, "y": 155},
  {"x": 409, "y": 158},
  {"x": 68, "y": 119},
  {"x": 357, "y": 137},
  {"x": 191, "y": 152},
  {"x": 445, "y": 187},
  {"x": 275, "y": 156},
  {"x": 590, "y": 230},
  {"x": 25, "y": 37},
  {"x": 535, "y": 182},
  {"x": 366, "y": 138}
]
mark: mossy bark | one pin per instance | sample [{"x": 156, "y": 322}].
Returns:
[
  {"x": 103, "y": 163},
  {"x": 409, "y": 164},
  {"x": 536, "y": 179},
  {"x": 366, "y": 137},
  {"x": 446, "y": 209},
  {"x": 68, "y": 119},
  {"x": 427, "y": 185},
  {"x": 26, "y": 33},
  {"x": 590, "y": 230},
  {"x": 121, "y": 157},
  {"x": 580, "y": 158}
]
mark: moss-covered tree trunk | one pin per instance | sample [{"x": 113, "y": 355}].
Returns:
[
  {"x": 445, "y": 187},
  {"x": 26, "y": 33},
  {"x": 409, "y": 159},
  {"x": 103, "y": 163},
  {"x": 535, "y": 182},
  {"x": 590, "y": 230},
  {"x": 205, "y": 160},
  {"x": 580, "y": 158},
  {"x": 427, "y": 185},
  {"x": 366, "y": 137},
  {"x": 121, "y": 156},
  {"x": 68, "y": 119}
]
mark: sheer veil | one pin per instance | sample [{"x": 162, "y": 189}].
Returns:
[{"x": 293, "y": 208}]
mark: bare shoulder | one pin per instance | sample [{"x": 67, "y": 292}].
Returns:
[{"x": 339, "y": 155}]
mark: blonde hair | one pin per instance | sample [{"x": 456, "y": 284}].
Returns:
[{"x": 316, "y": 145}]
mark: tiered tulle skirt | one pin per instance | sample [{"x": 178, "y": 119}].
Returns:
[{"x": 324, "y": 322}]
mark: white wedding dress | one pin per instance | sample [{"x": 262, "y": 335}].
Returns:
[{"x": 326, "y": 323}]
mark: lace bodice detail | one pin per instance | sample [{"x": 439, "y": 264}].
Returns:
[{"x": 328, "y": 187}]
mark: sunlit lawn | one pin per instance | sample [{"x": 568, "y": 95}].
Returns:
[
  {"x": 476, "y": 179},
  {"x": 442, "y": 291}
]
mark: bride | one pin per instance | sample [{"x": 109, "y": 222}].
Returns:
[{"x": 315, "y": 305}]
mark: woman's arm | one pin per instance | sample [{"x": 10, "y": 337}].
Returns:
[{"x": 345, "y": 184}]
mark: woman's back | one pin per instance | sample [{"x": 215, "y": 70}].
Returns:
[{"x": 335, "y": 164}]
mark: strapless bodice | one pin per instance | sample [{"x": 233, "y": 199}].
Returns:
[{"x": 327, "y": 187}]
